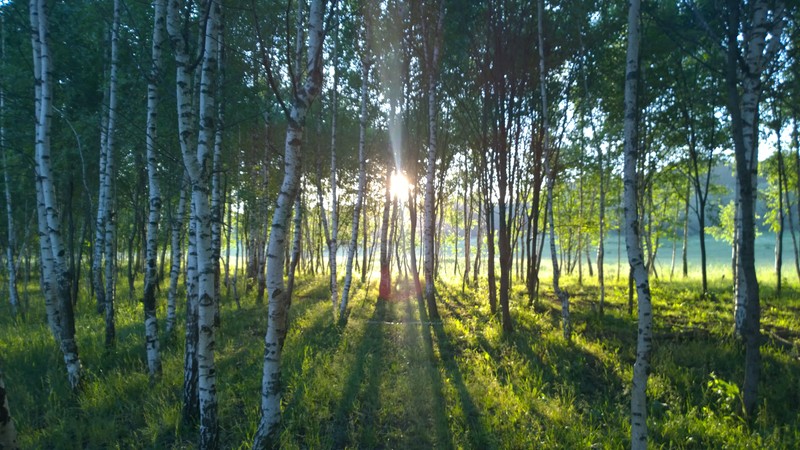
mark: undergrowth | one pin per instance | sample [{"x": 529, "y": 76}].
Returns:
[{"x": 392, "y": 378}]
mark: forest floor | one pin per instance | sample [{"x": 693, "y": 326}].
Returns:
[{"x": 390, "y": 378}]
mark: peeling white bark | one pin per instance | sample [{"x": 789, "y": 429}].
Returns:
[
  {"x": 154, "y": 214},
  {"x": 54, "y": 274},
  {"x": 632, "y": 240},
  {"x": 278, "y": 298}
]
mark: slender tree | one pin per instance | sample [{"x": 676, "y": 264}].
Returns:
[
  {"x": 633, "y": 241},
  {"x": 432, "y": 46},
  {"x": 13, "y": 293},
  {"x": 305, "y": 91},
  {"x": 746, "y": 61},
  {"x": 550, "y": 163},
  {"x": 55, "y": 274},
  {"x": 151, "y": 274},
  {"x": 366, "y": 63}
]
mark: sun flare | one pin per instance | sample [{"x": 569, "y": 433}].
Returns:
[{"x": 399, "y": 186}]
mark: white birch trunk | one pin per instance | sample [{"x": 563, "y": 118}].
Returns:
[
  {"x": 199, "y": 373},
  {"x": 217, "y": 205},
  {"x": 100, "y": 225},
  {"x": 107, "y": 191},
  {"x": 13, "y": 293},
  {"x": 278, "y": 299},
  {"x": 362, "y": 174},
  {"x": 323, "y": 217},
  {"x": 199, "y": 173},
  {"x": 333, "y": 244},
  {"x": 550, "y": 170},
  {"x": 190, "y": 397},
  {"x": 56, "y": 277},
  {"x": 432, "y": 50},
  {"x": 756, "y": 56},
  {"x": 154, "y": 214},
  {"x": 632, "y": 241},
  {"x": 744, "y": 72},
  {"x": 8, "y": 433},
  {"x": 175, "y": 257}
]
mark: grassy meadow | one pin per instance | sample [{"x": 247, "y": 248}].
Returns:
[{"x": 390, "y": 378}]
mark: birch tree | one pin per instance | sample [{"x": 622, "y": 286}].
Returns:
[
  {"x": 746, "y": 62},
  {"x": 366, "y": 63},
  {"x": 304, "y": 93},
  {"x": 333, "y": 242},
  {"x": 151, "y": 274},
  {"x": 55, "y": 275},
  {"x": 106, "y": 209},
  {"x": 176, "y": 235},
  {"x": 633, "y": 241},
  {"x": 197, "y": 161},
  {"x": 432, "y": 47},
  {"x": 550, "y": 170},
  {"x": 13, "y": 293}
]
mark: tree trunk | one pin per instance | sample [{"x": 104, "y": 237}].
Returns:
[
  {"x": 56, "y": 277},
  {"x": 151, "y": 274},
  {"x": 550, "y": 169},
  {"x": 684, "y": 248},
  {"x": 333, "y": 244},
  {"x": 601, "y": 223},
  {"x": 432, "y": 46},
  {"x": 632, "y": 240},
  {"x": 478, "y": 240},
  {"x": 781, "y": 218},
  {"x": 175, "y": 255},
  {"x": 743, "y": 76},
  {"x": 190, "y": 407},
  {"x": 13, "y": 293},
  {"x": 278, "y": 299},
  {"x": 323, "y": 217},
  {"x": 385, "y": 286},
  {"x": 366, "y": 61},
  {"x": 198, "y": 166}
]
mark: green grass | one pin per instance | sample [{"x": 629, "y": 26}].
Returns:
[{"x": 391, "y": 379}]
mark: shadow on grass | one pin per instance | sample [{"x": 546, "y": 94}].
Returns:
[
  {"x": 477, "y": 435},
  {"x": 441, "y": 431},
  {"x": 360, "y": 401}
]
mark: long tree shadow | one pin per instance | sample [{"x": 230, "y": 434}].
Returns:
[
  {"x": 476, "y": 432},
  {"x": 442, "y": 436},
  {"x": 360, "y": 400}
]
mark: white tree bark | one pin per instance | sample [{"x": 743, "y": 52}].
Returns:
[
  {"x": 176, "y": 244},
  {"x": 217, "y": 201},
  {"x": 432, "y": 56},
  {"x": 154, "y": 214},
  {"x": 757, "y": 55},
  {"x": 632, "y": 241},
  {"x": 327, "y": 235},
  {"x": 100, "y": 224},
  {"x": 198, "y": 168},
  {"x": 744, "y": 72},
  {"x": 55, "y": 273},
  {"x": 190, "y": 374},
  {"x": 366, "y": 62},
  {"x": 278, "y": 299},
  {"x": 550, "y": 170},
  {"x": 198, "y": 164},
  {"x": 109, "y": 239},
  {"x": 333, "y": 244},
  {"x": 8, "y": 433},
  {"x": 13, "y": 293}
]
